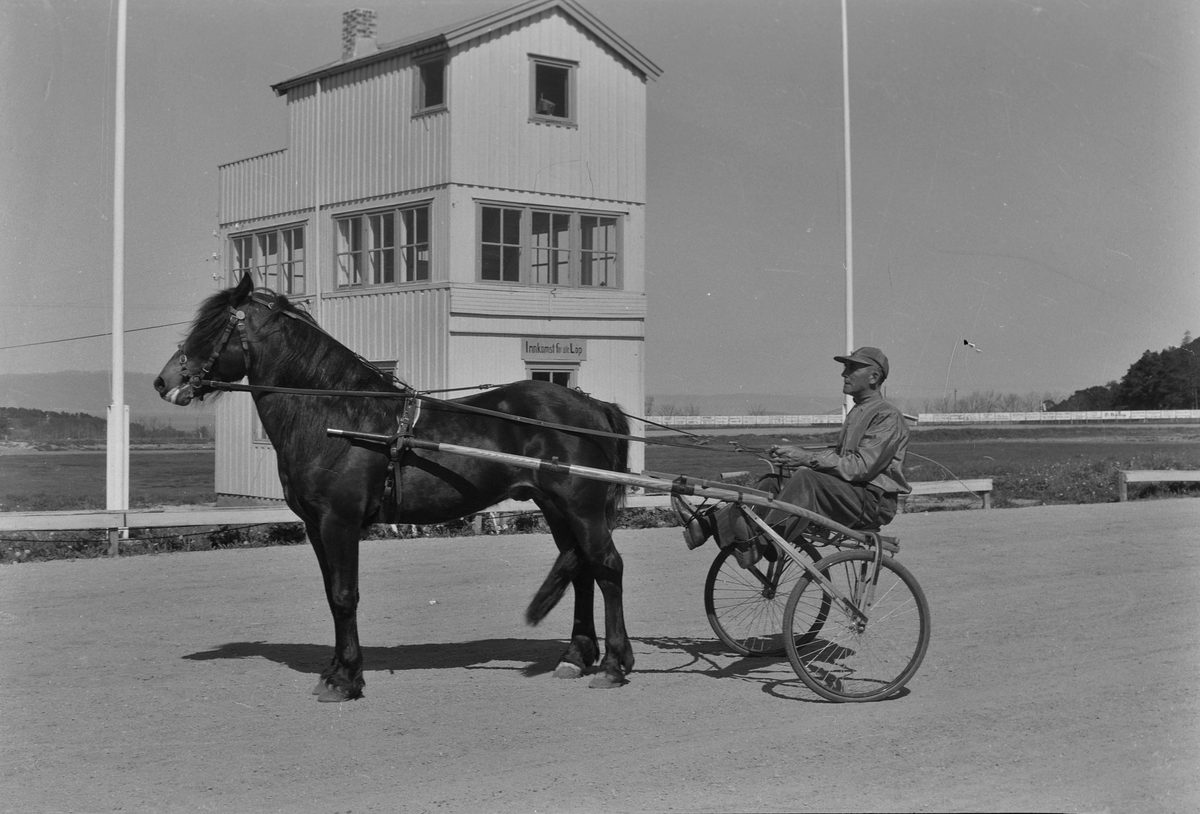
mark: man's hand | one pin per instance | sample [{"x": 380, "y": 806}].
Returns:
[{"x": 791, "y": 456}]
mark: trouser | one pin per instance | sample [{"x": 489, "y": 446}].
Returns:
[{"x": 850, "y": 504}]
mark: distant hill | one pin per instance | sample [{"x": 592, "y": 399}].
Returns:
[
  {"x": 745, "y": 404},
  {"x": 89, "y": 392}
]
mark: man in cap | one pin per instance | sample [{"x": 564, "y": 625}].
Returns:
[{"x": 856, "y": 483}]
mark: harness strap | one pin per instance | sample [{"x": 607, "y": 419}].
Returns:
[
  {"x": 392, "y": 486},
  {"x": 235, "y": 318}
]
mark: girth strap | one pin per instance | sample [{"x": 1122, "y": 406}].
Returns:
[{"x": 392, "y": 486}]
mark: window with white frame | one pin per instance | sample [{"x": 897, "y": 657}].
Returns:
[
  {"x": 538, "y": 246},
  {"x": 564, "y": 375},
  {"x": 598, "y": 252},
  {"x": 552, "y": 90},
  {"x": 383, "y": 248},
  {"x": 273, "y": 257},
  {"x": 430, "y": 92}
]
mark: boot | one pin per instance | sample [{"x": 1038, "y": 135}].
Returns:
[
  {"x": 697, "y": 524},
  {"x": 747, "y": 554}
]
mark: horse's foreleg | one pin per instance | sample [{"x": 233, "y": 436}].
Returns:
[
  {"x": 313, "y": 531},
  {"x": 337, "y": 551}
]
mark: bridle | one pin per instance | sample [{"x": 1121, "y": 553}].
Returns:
[{"x": 237, "y": 319}]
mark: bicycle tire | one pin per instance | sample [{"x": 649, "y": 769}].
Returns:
[
  {"x": 745, "y": 610},
  {"x": 852, "y": 664}
]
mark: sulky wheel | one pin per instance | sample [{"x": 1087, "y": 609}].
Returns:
[
  {"x": 848, "y": 660},
  {"x": 745, "y": 606}
]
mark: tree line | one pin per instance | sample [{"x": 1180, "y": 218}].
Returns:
[
  {"x": 48, "y": 426},
  {"x": 1161, "y": 380}
]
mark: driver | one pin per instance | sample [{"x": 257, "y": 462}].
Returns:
[{"x": 856, "y": 483}]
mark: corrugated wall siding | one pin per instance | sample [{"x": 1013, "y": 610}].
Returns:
[
  {"x": 370, "y": 144},
  {"x": 256, "y": 187},
  {"x": 410, "y": 326},
  {"x": 244, "y": 468},
  {"x": 543, "y": 302},
  {"x": 359, "y": 137},
  {"x": 494, "y": 142}
]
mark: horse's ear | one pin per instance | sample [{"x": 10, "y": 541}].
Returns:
[{"x": 243, "y": 289}]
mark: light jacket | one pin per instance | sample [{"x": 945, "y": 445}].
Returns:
[{"x": 870, "y": 448}]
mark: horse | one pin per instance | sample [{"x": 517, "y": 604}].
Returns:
[{"x": 336, "y": 485}]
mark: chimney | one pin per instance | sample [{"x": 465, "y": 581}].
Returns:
[{"x": 358, "y": 33}]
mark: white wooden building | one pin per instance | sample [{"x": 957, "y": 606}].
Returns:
[{"x": 466, "y": 205}]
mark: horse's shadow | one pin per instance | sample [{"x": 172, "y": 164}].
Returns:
[{"x": 530, "y": 657}]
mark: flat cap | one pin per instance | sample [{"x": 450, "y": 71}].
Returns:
[{"x": 868, "y": 357}]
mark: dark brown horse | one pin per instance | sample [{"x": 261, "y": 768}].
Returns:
[{"x": 336, "y": 486}]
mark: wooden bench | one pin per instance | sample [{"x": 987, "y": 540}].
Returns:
[
  {"x": 980, "y": 486},
  {"x": 1128, "y": 476}
]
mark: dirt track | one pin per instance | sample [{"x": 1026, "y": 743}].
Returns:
[{"x": 1062, "y": 676}]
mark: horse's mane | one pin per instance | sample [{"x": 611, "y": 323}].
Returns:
[{"x": 210, "y": 321}]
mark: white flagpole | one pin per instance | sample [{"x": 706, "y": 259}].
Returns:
[
  {"x": 849, "y": 218},
  {"x": 118, "y": 414}
]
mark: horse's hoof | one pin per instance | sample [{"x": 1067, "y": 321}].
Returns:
[
  {"x": 335, "y": 695},
  {"x": 604, "y": 681},
  {"x": 568, "y": 670},
  {"x": 321, "y": 687}
]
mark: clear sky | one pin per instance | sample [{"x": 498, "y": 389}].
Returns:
[{"x": 1025, "y": 174}]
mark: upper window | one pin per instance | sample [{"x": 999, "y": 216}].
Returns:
[
  {"x": 549, "y": 247},
  {"x": 274, "y": 257},
  {"x": 383, "y": 248},
  {"x": 552, "y": 83},
  {"x": 431, "y": 85}
]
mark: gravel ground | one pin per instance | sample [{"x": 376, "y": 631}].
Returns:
[{"x": 1062, "y": 676}]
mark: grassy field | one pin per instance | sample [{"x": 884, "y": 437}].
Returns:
[
  {"x": 1054, "y": 465},
  {"x": 1028, "y": 466},
  {"x": 1033, "y": 465},
  {"x": 52, "y": 481}
]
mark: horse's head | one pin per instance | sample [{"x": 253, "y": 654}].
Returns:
[{"x": 216, "y": 345}]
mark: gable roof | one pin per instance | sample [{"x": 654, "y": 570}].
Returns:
[{"x": 458, "y": 33}]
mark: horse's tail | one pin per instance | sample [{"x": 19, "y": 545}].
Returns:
[
  {"x": 617, "y": 491},
  {"x": 555, "y": 585}
]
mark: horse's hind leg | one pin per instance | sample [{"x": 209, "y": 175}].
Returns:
[
  {"x": 601, "y": 564},
  {"x": 584, "y": 648},
  {"x": 608, "y": 570}
]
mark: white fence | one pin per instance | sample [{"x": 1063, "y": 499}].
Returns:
[{"x": 1090, "y": 416}]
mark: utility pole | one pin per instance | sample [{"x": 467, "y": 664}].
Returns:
[
  {"x": 117, "y": 450},
  {"x": 849, "y": 402}
]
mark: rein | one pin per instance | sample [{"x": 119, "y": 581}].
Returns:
[{"x": 466, "y": 408}]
